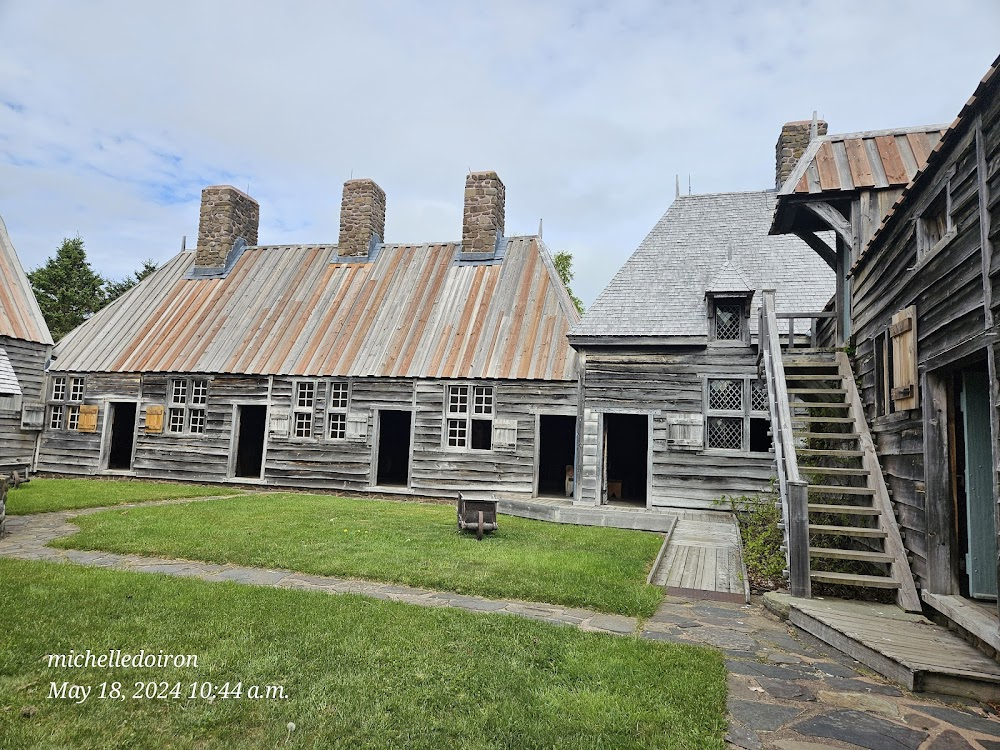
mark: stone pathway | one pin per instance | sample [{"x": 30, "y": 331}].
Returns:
[{"x": 787, "y": 691}]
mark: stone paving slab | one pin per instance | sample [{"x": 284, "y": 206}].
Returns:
[{"x": 787, "y": 691}]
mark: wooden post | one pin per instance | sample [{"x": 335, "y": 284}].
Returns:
[
  {"x": 797, "y": 526},
  {"x": 942, "y": 576},
  {"x": 3, "y": 506}
]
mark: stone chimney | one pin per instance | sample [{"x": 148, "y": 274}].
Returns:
[
  {"x": 362, "y": 217},
  {"x": 226, "y": 215},
  {"x": 792, "y": 143},
  {"x": 482, "y": 221}
]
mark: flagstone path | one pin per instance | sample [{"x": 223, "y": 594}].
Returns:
[{"x": 787, "y": 691}]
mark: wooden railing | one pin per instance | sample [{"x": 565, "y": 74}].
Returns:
[
  {"x": 810, "y": 334},
  {"x": 793, "y": 490}
]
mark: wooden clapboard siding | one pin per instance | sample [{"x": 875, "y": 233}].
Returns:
[
  {"x": 947, "y": 290},
  {"x": 662, "y": 384},
  {"x": 27, "y": 358}
]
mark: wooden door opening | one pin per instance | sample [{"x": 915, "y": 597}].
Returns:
[
  {"x": 556, "y": 452},
  {"x": 250, "y": 441},
  {"x": 626, "y": 442},
  {"x": 122, "y": 436},
  {"x": 972, "y": 484},
  {"x": 393, "y": 448}
]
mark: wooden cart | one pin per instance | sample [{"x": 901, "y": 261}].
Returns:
[{"x": 479, "y": 515}]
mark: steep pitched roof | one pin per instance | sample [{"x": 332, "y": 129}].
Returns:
[
  {"x": 660, "y": 291},
  {"x": 411, "y": 311},
  {"x": 20, "y": 316},
  {"x": 873, "y": 159},
  {"x": 729, "y": 278}
]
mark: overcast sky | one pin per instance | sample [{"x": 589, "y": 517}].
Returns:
[{"x": 114, "y": 115}]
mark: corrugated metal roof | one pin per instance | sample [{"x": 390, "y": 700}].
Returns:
[
  {"x": 8, "y": 378},
  {"x": 410, "y": 312},
  {"x": 975, "y": 101},
  {"x": 873, "y": 159},
  {"x": 660, "y": 291},
  {"x": 20, "y": 316}
]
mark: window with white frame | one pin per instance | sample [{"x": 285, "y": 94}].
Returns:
[
  {"x": 64, "y": 402},
  {"x": 469, "y": 412},
  {"x": 303, "y": 404},
  {"x": 338, "y": 401},
  {"x": 187, "y": 399},
  {"x": 737, "y": 415}
]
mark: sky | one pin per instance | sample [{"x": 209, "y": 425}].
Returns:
[{"x": 114, "y": 115}]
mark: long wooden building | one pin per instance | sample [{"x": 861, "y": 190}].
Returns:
[
  {"x": 366, "y": 366},
  {"x": 672, "y": 411},
  {"x": 918, "y": 260},
  {"x": 25, "y": 344}
]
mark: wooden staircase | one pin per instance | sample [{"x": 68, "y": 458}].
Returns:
[{"x": 850, "y": 517}]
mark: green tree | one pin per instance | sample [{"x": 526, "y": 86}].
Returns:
[
  {"x": 68, "y": 290},
  {"x": 115, "y": 289},
  {"x": 563, "y": 262}
]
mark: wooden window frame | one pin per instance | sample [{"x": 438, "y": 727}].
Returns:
[
  {"x": 746, "y": 413},
  {"x": 477, "y": 397},
  {"x": 66, "y": 396},
  {"x": 303, "y": 417},
  {"x": 928, "y": 244},
  {"x": 715, "y": 301},
  {"x": 336, "y": 414},
  {"x": 190, "y": 410}
]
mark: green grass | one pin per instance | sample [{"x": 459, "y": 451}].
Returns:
[
  {"x": 410, "y": 543},
  {"x": 44, "y": 495},
  {"x": 358, "y": 673}
]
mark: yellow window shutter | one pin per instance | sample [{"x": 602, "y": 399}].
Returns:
[
  {"x": 903, "y": 333},
  {"x": 88, "y": 418},
  {"x": 154, "y": 418}
]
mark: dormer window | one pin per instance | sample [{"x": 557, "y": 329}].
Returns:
[{"x": 729, "y": 318}]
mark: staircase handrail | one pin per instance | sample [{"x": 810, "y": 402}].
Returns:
[{"x": 793, "y": 490}]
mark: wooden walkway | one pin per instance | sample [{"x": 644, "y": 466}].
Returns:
[
  {"x": 703, "y": 559},
  {"x": 906, "y": 648}
]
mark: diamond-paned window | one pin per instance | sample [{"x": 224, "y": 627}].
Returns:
[
  {"x": 725, "y": 395},
  {"x": 728, "y": 321},
  {"x": 758, "y": 396},
  {"x": 725, "y": 432}
]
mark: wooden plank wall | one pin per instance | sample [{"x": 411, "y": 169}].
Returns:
[
  {"x": 947, "y": 290},
  {"x": 17, "y": 447},
  {"x": 669, "y": 383}
]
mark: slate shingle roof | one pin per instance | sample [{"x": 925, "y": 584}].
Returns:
[{"x": 660, "y": 291}]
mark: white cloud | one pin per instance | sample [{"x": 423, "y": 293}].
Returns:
[{"x": 113, "y": 115}]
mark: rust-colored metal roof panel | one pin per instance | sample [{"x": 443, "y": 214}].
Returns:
[
  {"x": 875, "y": 159},
  {"x": 20, "y": 316},
  {"x": 412, "y": 311}
]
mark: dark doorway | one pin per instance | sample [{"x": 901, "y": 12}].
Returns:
[
  {"x": 393, "y": 448},
  {"x": 626, "y": 440},
  {"x": 556, "y": 449},
  {"x": 250, "y": 441},
  {"x": 122, "y": 436},
  {"x": 973, "y": 484}
]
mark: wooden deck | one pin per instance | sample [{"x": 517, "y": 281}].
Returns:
[
  {"x": 906, "y": 648},
  {"x": 701, "y": 557}
]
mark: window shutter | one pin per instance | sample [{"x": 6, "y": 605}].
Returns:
[
  {"x": 903, "y": 333},
  {"x": 32, "y": 416},
  {"x": 685, "y": 431},
  {"x": 88, "y": 418},
  {"x": 279, "y": 423},
  {"x": 154, "y": 418},
  {"x": 504, "y": 434},
  {"x": 357, "y": 426}
]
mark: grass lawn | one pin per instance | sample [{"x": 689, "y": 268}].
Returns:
[
  {"x": 43, "y": 495},
  {"x": 410, "y": 543},
  {"x": 357, "y": 673}
]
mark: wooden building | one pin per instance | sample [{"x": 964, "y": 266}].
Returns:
[
  {"x": 918, "y": 258},
  {"x": 672, "y": 412},
  {"x": 25, "y": 345},
  {"x": 409, "y": 368}
]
